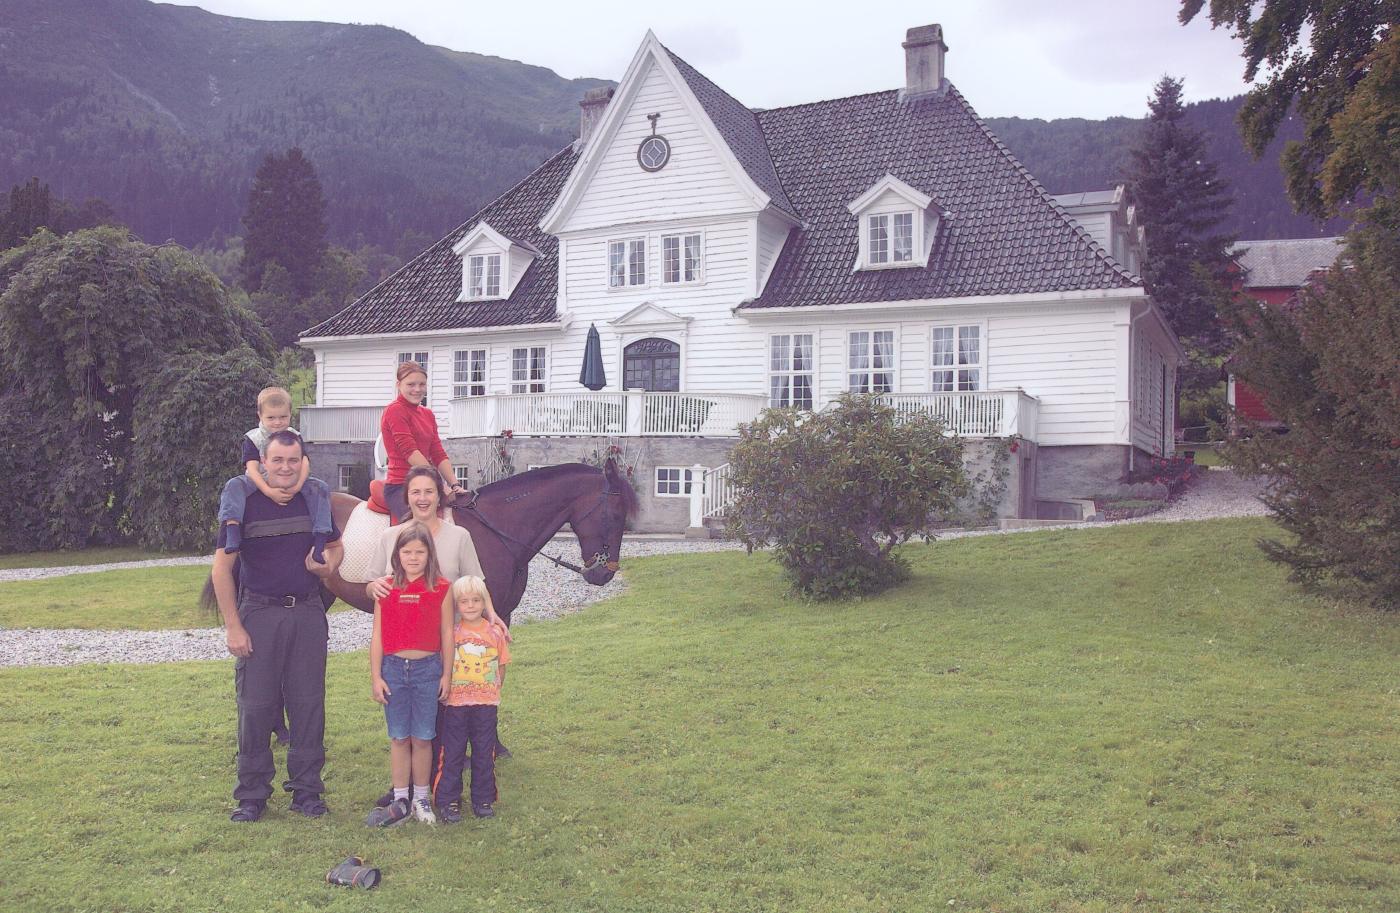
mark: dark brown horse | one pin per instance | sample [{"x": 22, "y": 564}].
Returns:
[{"x": 511, "y": 520}]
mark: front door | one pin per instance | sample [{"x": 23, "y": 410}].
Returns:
[{"x": 652, "y": 364}]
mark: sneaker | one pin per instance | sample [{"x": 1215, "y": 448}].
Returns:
[
  {"x": 484, "y": 810},
  {"x": 451, "y": 813},
  {"x": 396, "y": 812},
  {"x": 248, "y": 811},
  {"x": 384, "y": 800},
  {"x": 502, "y": 752},
  {"x": 423, "y": 810},
  {"x": 310, "y": 805}
]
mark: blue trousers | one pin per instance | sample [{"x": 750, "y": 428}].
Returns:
[
  {"x": 234, "y": 501},
  {"x": 457, "y": 726}
]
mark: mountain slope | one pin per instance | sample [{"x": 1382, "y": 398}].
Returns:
[{"x": 166, "y": 112}]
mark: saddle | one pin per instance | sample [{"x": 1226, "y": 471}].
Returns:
[{"x": 376, "y": 497}]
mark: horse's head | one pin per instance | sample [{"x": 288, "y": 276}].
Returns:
[{"x": 598, "y": 516}]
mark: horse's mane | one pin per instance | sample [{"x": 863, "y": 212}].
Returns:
[{"x": 508, "y": 485}]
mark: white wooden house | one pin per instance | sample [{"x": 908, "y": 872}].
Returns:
[{"x": 734, "y": 260}]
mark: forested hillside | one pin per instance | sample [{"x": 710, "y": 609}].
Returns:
[{"x": 165, "y": 112}]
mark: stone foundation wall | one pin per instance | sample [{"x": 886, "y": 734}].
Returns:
[
  {"x": 1080, "y": 471},
  {"x": 327, "y": 458}
]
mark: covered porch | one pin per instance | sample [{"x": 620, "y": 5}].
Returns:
[{"x": 636, "y": 413}]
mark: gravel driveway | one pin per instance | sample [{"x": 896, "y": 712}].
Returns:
[{"x": 553, "y": 591}]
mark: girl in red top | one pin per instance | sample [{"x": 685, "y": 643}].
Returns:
[
  {"x": 411, "y": 439},
  {"x": 410, "y": 670}
]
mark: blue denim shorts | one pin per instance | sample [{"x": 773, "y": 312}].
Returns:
[{"x": 413, "y": 695}]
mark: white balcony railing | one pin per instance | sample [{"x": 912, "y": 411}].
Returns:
[
  {"x": 628, "y": 414},
  {"x": 339, "y": 423},
  {"x": 983, "y": 413}
]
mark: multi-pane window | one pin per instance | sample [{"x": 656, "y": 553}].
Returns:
[
  {"x": 958, "y": 359},
  {"x": 673, "y": 482},
  {"x": 469, "y": 372},
  {"x": 485, "y": 276},
  {"x": 790, "y": 368},
  {"x": 347, "y": 478},
  {"x": 890, "y": 238},
  {"x": 680, "y": 258},
  {"x": 463, "y": 475},
  {"x": 627, "y": 263},
  {"x": 527, "y": 370},
  {"x": 870, "y": 361},
  {"x": 422, "y": 359}
]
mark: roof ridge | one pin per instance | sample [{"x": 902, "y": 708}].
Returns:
[
  {"x": 432, "y": 248},
  {"x": 825, "y": 101},
  {"x": 1069, "y": 220}
]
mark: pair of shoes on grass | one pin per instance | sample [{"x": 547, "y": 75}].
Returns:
[
  {"x": 400, "y": 810},
  {"x": 308, "y": 805},
  {"x": 451, "y": 813}
]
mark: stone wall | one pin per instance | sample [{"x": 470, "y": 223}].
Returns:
[{"x": 1080, "y": 471}]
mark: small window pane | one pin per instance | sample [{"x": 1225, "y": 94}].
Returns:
[
  {"x": 671, "y": 259},
  {"x": 903, "y": 237},
  {"x": 779, "y": 353},
  {"x": 692, "y": 258},
  {"x": 879, "y": 239},
  {"x": 493, "y": 277},
  {"x": 802, "y": 352},
  {"x": 802, "y": 391},
  {"x": 617, "y": 265},
  {"x": 942, "y": 346},
  {"x": 636, "y": 262},
  {"x": 476, "y": 283}
]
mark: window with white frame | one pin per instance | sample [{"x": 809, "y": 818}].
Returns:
[
  {"x": 422, "y": 359},
  {"x": 870, "y": 361},
  {"x": 890, "y": 238},
  {"x": 680, "y": 258},
  {"x": 469, "y": 372},
  {"x": 790, "y": 369},
  {"x": 484, "y": 276},
  {"x": 463, "y": 475},
  {"x": 673, "y": 482},
  {"x": 959, "y": 359},
  {"x": 527, "y": 370},
  {"x": 627, "y": 263},
  {"x": 346, "y": 478}
]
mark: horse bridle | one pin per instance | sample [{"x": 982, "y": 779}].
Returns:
[{"x": 598, "y": 558}]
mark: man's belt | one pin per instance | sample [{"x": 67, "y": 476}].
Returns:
[{"x": 286, "y": 601}]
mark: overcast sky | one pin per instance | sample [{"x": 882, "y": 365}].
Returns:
[{"x": 1027, "y": 58}]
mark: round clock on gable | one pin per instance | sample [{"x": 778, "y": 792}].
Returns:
[{"x": 654, "y": 153}]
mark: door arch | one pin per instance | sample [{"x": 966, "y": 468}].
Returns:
[{"x": 652, "y": 364}]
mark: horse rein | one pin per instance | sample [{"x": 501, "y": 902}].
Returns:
[{"x": 598, "y": 558}]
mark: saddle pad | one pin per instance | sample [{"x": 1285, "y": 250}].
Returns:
[{"x": 360, "y": 536}]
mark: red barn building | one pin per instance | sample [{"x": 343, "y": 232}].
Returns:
[{"x": 1272, "y": 272}]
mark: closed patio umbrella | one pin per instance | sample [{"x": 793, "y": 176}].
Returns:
[{"x": 592, "y": 375}]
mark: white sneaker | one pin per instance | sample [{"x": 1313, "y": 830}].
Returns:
[{"x": 423, "y": 811}]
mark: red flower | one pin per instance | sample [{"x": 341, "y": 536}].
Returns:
[
  {"x": 1014, "y": 446},
  {"x": 507, "y": 434}
]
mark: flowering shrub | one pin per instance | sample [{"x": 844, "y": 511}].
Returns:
[
  {"x": 1172, "y": 472},
  {"x": 624, "y": 455}
]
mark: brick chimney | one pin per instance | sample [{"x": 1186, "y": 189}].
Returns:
[
  {"x": 595, "y": 102},
  {"x": 923, "y": 61}
]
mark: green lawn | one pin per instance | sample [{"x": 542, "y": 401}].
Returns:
[
  {"x": 1143, "y": 718},
  {"x": 81, "y": 556}
]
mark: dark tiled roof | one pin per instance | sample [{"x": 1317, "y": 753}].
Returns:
[
  {"x": 1286, "y": 263},
  {"x": 1005, "y": 234},
  {"x": 739, "y": 127},
  {"x": 423, "y": 294}
]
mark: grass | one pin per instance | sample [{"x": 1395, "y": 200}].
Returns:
[
  {"x": 1144, "y": 718},
  {"x": 80, "y": 556},
  {"x": 139, "y": 599},
  {"x": 1206, "y": 454}
]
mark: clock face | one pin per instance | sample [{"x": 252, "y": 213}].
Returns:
[{"x": 653, "y": 153}]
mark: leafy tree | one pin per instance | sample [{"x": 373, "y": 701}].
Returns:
[
  {"x": 834, "y": 492},
  {"x": 87, "y": 323},
  {"x": 286, "y": 222},
  {"x": 188, "y": 453},
  {"x": 1329, "y": 368},
  {"x": 1337, "y": 61},
  {"x": 33, "y": 206},
  {"x": 1182, "y": 202}
]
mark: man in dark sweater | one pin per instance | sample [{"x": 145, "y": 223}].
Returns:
[{"x": 276, "y": 627}]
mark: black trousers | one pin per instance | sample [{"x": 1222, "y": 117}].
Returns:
[
  {"x": 458, "y": 726},
  {"x": 287, "y": 668}
]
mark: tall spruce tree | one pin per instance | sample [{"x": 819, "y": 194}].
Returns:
[
  {"x": 1182, "y": 203},
  {"x": 285, "y": 222}
]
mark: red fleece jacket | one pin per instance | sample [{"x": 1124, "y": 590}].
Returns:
[{"x": 408, "y": 427}]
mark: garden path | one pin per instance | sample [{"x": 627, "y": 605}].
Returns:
[{"x": 553, "y": 592}]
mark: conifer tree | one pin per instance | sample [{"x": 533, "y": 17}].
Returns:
[
  {"x": 285, "y": 222},
  {"x": 1182, "y": 203}
]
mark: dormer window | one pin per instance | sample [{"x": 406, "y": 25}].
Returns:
[
  {"x": 492, "y": 263},
  {"x": 897, "y": 225},
  {"x": 485, "y": 276}
]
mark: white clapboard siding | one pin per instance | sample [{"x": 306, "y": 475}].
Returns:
[
  {"x": 359, "y": 375},
  {"x": 694, "y": 182},
  {"x": 772, "y": 236},
  {"x": 1099, "y": 225}
]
